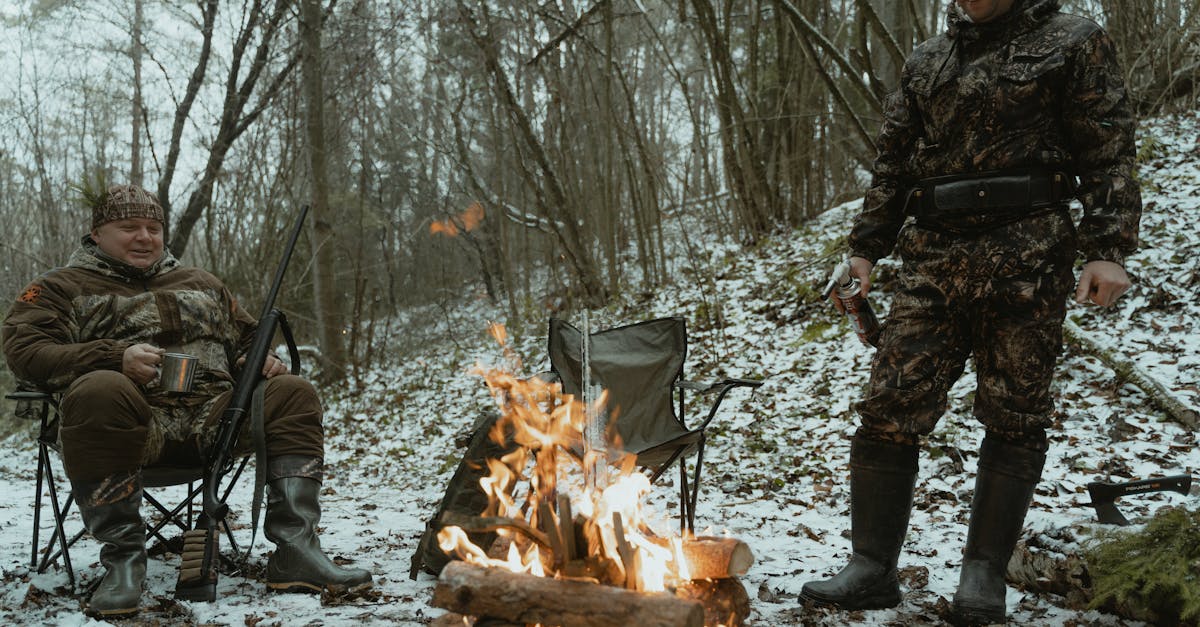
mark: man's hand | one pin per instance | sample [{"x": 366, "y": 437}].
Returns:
[
  {"x": 860, "y": 269},
  {"x": 271, "y": 367},
  {"x": 140, "y": 362},
  {"x": 1102, "y": 282}
]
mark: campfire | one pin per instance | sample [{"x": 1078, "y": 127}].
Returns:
[{"x": 574, "y": 545}]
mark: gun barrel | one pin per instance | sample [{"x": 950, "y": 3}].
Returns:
[{"x": 269, "y": 303}]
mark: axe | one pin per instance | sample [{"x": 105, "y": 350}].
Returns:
[{"x": 1104, "y": 495}]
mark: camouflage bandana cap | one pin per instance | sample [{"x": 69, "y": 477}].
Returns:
[{"x": 126, "y": 201}]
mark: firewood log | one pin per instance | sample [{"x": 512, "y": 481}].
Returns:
[
  {"x": 725, "y": 600},
  {"x": 451, "y": 619},
  {"x": 521, "y": 598},
  {"x": 713, "y": 557}
]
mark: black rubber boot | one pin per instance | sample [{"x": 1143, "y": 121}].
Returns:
[
  {"x": 1004, "y": 487},
  {"x": 882, "y": 475},
  {"x": 111, "y": 512},
  {"x": 293, "y": 511}
]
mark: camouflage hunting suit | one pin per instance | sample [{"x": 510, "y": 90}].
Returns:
[
  {"x": 1033, "y": 90},
  {"x": 68, "y": 333}
]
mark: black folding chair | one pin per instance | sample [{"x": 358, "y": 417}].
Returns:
[
  {"x": 35, "y": 405},
  {"x": 641, "y": 366}
]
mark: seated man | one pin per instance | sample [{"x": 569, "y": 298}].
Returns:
[{"x": 96, "y": 331}]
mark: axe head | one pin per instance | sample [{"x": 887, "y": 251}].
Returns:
[{"x": 1105, "y": 495}]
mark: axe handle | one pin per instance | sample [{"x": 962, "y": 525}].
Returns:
[{"x": 1112, "y": 491}]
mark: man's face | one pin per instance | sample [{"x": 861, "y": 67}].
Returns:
[
  {"x": 981, "y": 11},
  {"x": 135, "y": 241}
]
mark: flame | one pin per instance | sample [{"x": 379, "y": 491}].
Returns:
[
  {"x": 547, "y": 426},
  {"x": 461, "y": 223}
]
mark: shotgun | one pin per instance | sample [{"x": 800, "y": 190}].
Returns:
[{"x": 198, "y": 572}]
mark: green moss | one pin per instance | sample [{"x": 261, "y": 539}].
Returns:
[
  {"x": 816, "y": 331},
  {"x": 1157, "y": 568},
  {"x": 834, "y": 246},
  {"x": 1150, "y": 148},
  {"x": 449, "y": 462}
]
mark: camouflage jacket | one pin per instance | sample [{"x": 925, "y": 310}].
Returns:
[
  {"x": 82, "y": 317},
  {"x": 1035, "y": 88}
]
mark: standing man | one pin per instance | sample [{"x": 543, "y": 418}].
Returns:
[
  {"x": 981, "y": 144},
  {"x": 96, "y": 331}
]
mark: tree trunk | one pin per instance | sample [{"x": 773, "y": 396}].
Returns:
[
  {"x": 135, "y": 53},
  {"x": 324, "y": 240},
  {"x": 551, "y": 196}
]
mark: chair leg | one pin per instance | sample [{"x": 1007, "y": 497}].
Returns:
[
  {"x": 695, "y": 487},
  {"x": 168, "y": 516},
  {"x": 683, "y": 497},
  {"x": 37, "y": 503},
  {"x": 60, "y": 515}
]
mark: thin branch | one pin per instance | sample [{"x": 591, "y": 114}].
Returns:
[
  {"x": 922, "y": 34},
  {"x": 889, "y": 41},
  {"x": 834, "y": 53},
  {"x": 839, "y": 96},
  {"x": 570, "y": 30}
]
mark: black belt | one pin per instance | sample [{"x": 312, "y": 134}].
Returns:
[{"x": 992, "y": 194}]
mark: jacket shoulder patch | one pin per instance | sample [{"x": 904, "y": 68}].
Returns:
[{"x": 31, "y": 294}]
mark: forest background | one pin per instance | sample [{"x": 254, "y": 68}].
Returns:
[
  {"x": 468, "y": 159},
  {"x": 546, "y": 156}
]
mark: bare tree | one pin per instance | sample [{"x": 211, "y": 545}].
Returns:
[
  {"x": 324, "y": 240},
  {"x": 253, "y": 45}
]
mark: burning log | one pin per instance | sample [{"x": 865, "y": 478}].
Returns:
[
  {"x": 492, "y": 523},
  {"x": 566, "y": 527},
  {"x": 521, "y": 598},
  {"x": 458, "y": 620},
  {"x": 628, "y": 557},
  {"x": 554, "y": 533},
  {"x": 725, "y": 600},
  {"x": 711, "y": 557}
]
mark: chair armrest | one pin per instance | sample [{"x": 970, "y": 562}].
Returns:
[
  {"x": 26, "y": 395},
  {"x": 721, "y": 387},
  {"x": 28, "y": 402},
  {"x": 549, "y": 376},
  {"x": 716, "y": 386}
]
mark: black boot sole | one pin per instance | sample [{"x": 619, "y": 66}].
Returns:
[
  {"x": 964, "y": 616},
  {"x": 312, "y": 588},
  {"x": 126, "y": 612},
  {"x": 877, "y": 602}
]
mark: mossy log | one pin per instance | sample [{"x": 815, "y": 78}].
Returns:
[
  {"x": 1144, "y": 573},
  {"x": 1129, "y": 371}
]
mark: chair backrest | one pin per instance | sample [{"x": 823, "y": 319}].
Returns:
[{"x": 638, "y": 365}]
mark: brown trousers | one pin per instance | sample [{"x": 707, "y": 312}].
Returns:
[{"x": 108, "y": 428}]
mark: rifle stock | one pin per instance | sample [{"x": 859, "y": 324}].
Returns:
[{"x": 198, "y": 574}]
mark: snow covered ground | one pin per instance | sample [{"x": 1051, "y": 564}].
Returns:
[{"x": 776, "y": 464}]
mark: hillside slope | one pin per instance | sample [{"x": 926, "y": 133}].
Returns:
[{"x": 776, "y": 464}]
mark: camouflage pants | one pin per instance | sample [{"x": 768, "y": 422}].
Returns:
[
  {"x": 108, "y": 428},
  {"x": 999, "y": 296}
]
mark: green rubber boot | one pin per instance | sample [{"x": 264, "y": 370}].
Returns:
[
  {"x": 882, "y": 476},
  {"x": 293, "y": 512},
  {"x": 1003, "y": 489},
  {"x": 111, "y": 512}
]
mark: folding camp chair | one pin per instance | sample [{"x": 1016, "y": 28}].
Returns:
[
  {"x": 641, "y": 366},
  {"x": 44, "y": 408}
]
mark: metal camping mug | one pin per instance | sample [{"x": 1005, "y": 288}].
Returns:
[{"x": 177, "y": 371}]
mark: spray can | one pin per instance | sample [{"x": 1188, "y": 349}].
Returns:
[{"x": 848, "y": 291}]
